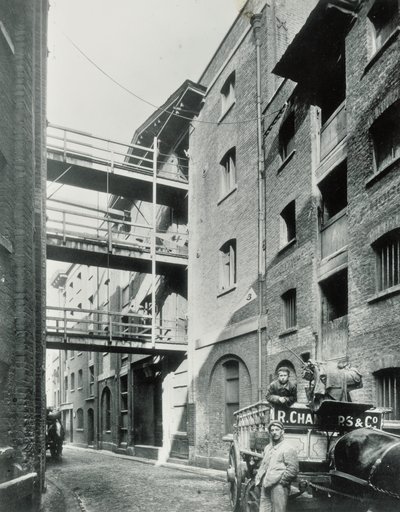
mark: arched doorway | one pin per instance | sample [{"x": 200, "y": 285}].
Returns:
[{"x": 90, "y": 427}]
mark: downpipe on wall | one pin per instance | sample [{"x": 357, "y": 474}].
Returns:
[{"x": 256, "y": 24}]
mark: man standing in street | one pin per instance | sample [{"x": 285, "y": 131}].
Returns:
[
  {"x": 278, "y": 468},
  {"x": 281, "y": 391}
]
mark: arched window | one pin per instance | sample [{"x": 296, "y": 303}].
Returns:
[
  {"x": 228, "y": 97},
  {"x": 106, "y": 410},
  {"x": 228, "y": 172},
  {"x": 288, "y": 224},
  {"x": 79, "y": 419},
  {"x": 227, "y": 271},
  {"x": 231, "y": 393}
]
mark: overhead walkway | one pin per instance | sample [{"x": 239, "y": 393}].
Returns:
[
  {"x": 112, "y": 331},
  {"x": 83, "y": 160},
  {"x": 107, "y": 237},
  {"x": 89, "y": 235}
]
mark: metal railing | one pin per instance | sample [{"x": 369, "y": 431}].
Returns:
[
  {"x": 123, "y": 326},
  {"x": 111, "y": 228},
  {"x": 109, "y": 153}
]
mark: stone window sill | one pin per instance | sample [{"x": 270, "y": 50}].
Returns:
[
  {"x": 286, "y": 246},
  {"x": 287, "y": 332},
  {"x": 225, "y": 113},
  {"x": 286, "y": 161},
  {"x": 227, "y": 194},
  {"x": 221, "y": 293},
  {"x": 382, "y": 172},
  {"x": 385, "y": 294}
]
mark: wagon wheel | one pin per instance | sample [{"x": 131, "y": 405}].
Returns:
[
  {"x": 251, "y": 499},
  {"x": 234, "y": 477}
]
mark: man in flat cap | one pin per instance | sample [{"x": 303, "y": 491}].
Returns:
[
  {"x": 281, "y": 391},
  {"x": 278, "y": 468}
]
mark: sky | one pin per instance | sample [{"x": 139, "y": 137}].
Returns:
[{"x": 149, "y": 46}]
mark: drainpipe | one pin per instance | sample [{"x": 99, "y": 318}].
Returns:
[{"x": 256, "y": 24}]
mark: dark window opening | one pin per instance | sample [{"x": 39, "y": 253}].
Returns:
[
  {"x": 333, "y": 193},
  {"x": 334, "y": 296},
  {"x": 332, "y": 91},
  {"x": 383, "y": 17},
  {"x": 385, "y": 134},
  {"x": 286, "y": 136}
]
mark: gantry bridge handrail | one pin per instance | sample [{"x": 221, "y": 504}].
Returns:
[
  {"x": 119, "y": 325},
  {"x": 109, "y": 227},
  {"x": 108, "y": 152}
]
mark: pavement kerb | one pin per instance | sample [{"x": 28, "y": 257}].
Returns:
[{"x": 204, "y": 472}]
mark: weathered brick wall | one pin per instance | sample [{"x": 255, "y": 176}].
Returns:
[
  {"x": 374, "y": 206},
  {"x": 22, "y": 251},
  {"x": 291, "y": 266}
]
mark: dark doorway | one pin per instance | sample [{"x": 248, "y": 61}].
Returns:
[
  {"x": 90, "y": 427},
  {"x": 148, "y": 422}
]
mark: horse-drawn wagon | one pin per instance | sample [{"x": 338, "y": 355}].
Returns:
[
  {"x": 345, "y": 458},
  {"x": 54, "y": 433}
]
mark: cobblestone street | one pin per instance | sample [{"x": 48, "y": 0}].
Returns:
[{"x": 92, "y": 481}]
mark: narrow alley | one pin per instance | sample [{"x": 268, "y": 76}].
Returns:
[{"x": 98, "y": 481}]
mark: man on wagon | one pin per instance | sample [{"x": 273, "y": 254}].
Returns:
[
  {"x": 278, "y": 468},
  {"x": 281, "y": 391}
]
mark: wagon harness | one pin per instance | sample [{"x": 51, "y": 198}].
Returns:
[
  {"x": 366, "y": 483},
  {"x": 373, "y": 470}
]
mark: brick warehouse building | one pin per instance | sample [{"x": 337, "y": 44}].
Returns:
[
  {"x": 330, "y": 237},
  {"x": 337, "y": 242},
  {"x": 23, "y": 54},
  {"x": 227, "y": 316}
]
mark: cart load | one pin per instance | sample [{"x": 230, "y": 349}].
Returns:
[{"x": 343, "y": 456}]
